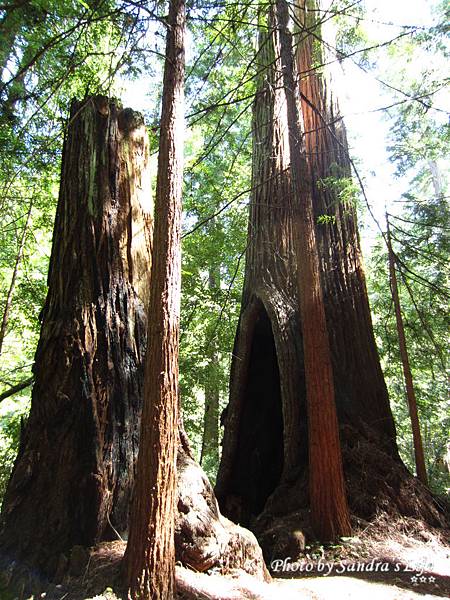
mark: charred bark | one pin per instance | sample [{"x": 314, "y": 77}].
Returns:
[
  {"x": 375, "y": 476},
  {"x": 72, "y": 479}
]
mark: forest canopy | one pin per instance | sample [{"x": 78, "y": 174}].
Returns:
[{"x": 52, "y": 52}]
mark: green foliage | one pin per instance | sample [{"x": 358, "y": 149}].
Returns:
[
  {"x": 414, "y": 73},
  {"x": 418, "y": 148},
  {"x": 343, "y": 190},
  {"x": 424, "y": 303},
  {"x": 217, "y": 188},
  {"x": 53, "y": 51},
  {"x": 351, "y": 33},
  {"x": 12, "y": 414}
]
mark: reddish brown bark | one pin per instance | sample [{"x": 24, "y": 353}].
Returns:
[
  {"x": 362, "y": 392},
  {"x": 328, "y": 501},
  {"x": 150, "y": 555}
]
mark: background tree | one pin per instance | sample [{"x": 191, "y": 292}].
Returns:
[
  {"x": 419, "y": 218},
  {"x": 217, "y": 182},
  {"x": 409, "y": 384}
]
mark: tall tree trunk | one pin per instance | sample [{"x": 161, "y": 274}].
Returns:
[
  {"x": 328, "y": 502},
  {"x": 362, "y": 392},
  {"x": 210, "y": 439},
  {"x": 263, "y": 477},
  {"x": 72, "y": 479},
  {"x": 150, "y": 555},
  {"x": 410, "y": 394},
  {"x": 12, "y": 285}
]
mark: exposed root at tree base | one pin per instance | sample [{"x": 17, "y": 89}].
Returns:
[
  {"x": 377, "y": 482},
  {"x": 415, "y": 559}
]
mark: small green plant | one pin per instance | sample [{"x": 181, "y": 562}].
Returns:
[
  {"x": 326, "y": 219},
  {"x": 343, "y": 190}
]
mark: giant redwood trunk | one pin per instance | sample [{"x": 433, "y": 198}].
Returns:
[
  {"x": 263, "y": 476},
  {"x": 72, "y": 479}
]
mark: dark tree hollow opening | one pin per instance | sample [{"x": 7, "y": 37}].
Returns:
[{"x": 259, "y": 453}]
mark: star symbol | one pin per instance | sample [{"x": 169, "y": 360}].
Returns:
[
  {"x": 431, "y": 579},
  {"x": 414, "y": 579},
  {"x": 423, "y": 579}
]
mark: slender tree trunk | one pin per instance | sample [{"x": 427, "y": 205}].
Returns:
[
  {"x": 150, "y": 554},
  {"x": 210, "y": 439},
  {"x": 12, "y": 286},
  {"x": 71, "y": 482},
  {"x": 410, "y": 394},
  {"x": 328, "y": 501}
]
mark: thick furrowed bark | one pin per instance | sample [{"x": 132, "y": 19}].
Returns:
[
  {"x": 72, "y": 478},
  {"x": 374, "y": 475}
]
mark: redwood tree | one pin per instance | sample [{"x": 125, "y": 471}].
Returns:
[
  {"x": 264, "y": 476},
  {"x": 327, "y": 495},
  {"x": 72, "y": 479},
  {"x": 150, "y": 555}
]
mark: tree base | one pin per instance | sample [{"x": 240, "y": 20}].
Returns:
[
  {"x": 205, "y": 540},
  {"x": 376, "y": 482}
]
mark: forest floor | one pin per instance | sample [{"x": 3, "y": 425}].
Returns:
[{"x": 389, "y": 560}]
